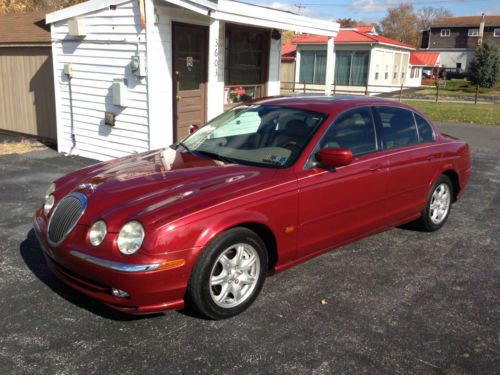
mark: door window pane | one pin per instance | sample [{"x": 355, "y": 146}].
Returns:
[
  {"x": 189, "y": 55},
  {"x": 353, "y": 130},
  {"x": 425, "y": 132},
  {"x": 398, "y": 126}
]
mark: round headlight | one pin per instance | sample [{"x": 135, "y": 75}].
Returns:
[
  {"x": 130, "y": 237},
  {"x": 49, "y": 203},
  {"x": 97, "y": 233},
  {"x": 50, "y": 190}
]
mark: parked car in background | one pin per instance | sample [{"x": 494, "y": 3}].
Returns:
[
  {"x": 261, "y": 188},
  {"x": 452, "y": 73},
  {"x": 428, "y": 73}
]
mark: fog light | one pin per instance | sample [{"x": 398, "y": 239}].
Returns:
[{"x": 119, "y": 293}]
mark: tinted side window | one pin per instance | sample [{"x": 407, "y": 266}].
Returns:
[
  {"x": 353, "y": 130},
  {"x": 398, "y": 126},
  {"x": 425, "y": 132}
]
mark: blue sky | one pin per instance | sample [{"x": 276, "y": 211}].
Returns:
[{"x": 374, "y": 10}]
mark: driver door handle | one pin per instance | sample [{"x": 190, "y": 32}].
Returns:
[{"x": 375, "y": 167}]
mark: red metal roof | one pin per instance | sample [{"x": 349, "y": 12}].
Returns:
[
  {"x": 365, "y": 28},
  {"x": 288, "y": 52},
  {"x": 346, "y": 36},
  {"x": 419, "y": 58}
]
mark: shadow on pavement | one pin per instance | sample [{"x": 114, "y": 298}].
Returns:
[{"x": 32, "y": 255}]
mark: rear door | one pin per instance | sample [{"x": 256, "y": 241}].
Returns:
[{"x": 412, "y": 160}]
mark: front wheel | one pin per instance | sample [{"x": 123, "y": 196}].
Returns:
[
  {"x": 438, "y": 204},
  {"x": 229, "y": 274}
]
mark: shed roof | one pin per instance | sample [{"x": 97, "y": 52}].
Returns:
[
  {"x": 466, "y": 21},
  {"x": 24, "y": 28},
  {"x": 348, "y": 36},
  {"x": 421, "y": 58}
]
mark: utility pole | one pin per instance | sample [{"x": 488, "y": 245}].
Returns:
[{"x": 299, "y": 7}]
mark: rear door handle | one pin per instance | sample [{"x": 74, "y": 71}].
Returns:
[
  {"x": 432, "y": 156},
  {"x": 375, "y": 167}
]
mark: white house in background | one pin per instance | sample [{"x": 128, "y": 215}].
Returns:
[
  {"x": 363, "y": 61},
  {"x": 132, "y": 75},
  {"x": 420, "y": 60}
]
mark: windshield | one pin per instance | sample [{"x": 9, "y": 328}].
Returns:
[{"x": 263, "y": 135}]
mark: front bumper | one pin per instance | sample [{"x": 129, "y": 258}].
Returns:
[{"x": 150, "y": 288}]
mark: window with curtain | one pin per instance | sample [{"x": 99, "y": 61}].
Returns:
[
  {"x": 351, "y": 68},
  {"x": 312, "y": 67}
]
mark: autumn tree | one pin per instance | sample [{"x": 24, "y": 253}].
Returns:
[
  {"x": 427, "y": 15},
  {"x": 400, "y": 24},
  {"x": 287, "y": 36},
  {"x": 347, "y": 22},
  {"x": 20, "y": 6}
]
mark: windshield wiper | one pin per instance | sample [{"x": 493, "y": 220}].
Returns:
[
  {"x": 183, "y": 145},
  {"x": 213, "y": 155}
]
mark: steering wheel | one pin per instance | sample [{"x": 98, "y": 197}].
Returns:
[{"x": 293, "y": 147}]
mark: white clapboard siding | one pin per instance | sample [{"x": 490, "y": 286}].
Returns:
[
  {"x": 113, "y": 37},
  {"x": 160, "y": 89}
]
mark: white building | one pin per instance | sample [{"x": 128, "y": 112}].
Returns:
[
  {"x": 132, "y": 75},
  {"x": 363, "y": 61}
]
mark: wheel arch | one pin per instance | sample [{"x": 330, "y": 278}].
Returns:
[
  {"x": 253, "y": 221},
  {"x": 453, "y": 176}
]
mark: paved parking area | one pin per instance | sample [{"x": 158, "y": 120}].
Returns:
[{"x": 398, "y": 302}]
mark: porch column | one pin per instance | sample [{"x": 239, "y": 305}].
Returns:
[
  {"x": 215, "y": 81},
  {"x": 273, "y": 84},
  {"x": 330, "y": 66}
]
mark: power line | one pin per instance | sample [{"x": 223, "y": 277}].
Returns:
[
  {"x": 299, "y": 7},
  {"x": 414, "y": 2}
]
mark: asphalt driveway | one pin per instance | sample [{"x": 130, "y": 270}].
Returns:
[{"x": 398, "y": 302}]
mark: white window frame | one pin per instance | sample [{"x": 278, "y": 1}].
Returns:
[
  {"x": 445, "y": 33},
  {"x": 496, "y": 33},
  {"x": 473, "y": 32}
]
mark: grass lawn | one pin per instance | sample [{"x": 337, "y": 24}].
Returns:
[
  {"x": 459, "y": 88},
  {"x": 459, "y": 112}
]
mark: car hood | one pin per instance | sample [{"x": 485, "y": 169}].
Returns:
[{"x": 159, "y": 186}]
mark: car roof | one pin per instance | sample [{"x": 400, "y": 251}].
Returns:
[{"x": 327, "y": 104}]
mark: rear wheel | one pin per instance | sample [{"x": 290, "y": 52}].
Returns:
[
  {"x": 229, "y": 274},
  {"x": 438, "y": 205}
]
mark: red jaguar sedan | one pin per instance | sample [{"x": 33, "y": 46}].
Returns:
[{"x": 260, "y": 188}]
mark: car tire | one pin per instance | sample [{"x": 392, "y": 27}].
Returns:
[
  {"x": 438, "y": 205},
  {"x": 228, "y": 275}
]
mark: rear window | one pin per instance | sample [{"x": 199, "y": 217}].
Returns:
[
  {"x": 399, "y": 128},
  {"x": 425, "y": 132}
]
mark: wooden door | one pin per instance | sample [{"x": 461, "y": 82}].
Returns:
[{"x": 190, "y": 76}]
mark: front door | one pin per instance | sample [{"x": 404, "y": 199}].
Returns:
[
  {"x": 190, "y": 76},
  {"x": 337, "y": 206}
]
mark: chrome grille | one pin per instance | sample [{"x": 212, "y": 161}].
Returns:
[{"x": 65, "y": 217}]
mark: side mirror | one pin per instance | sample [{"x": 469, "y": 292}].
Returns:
[
  {"x": 193, "y": 128},
  {"x": 333, "y": 157}
]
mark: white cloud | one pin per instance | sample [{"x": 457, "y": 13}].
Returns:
[{"x": 373, "y": 5}]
